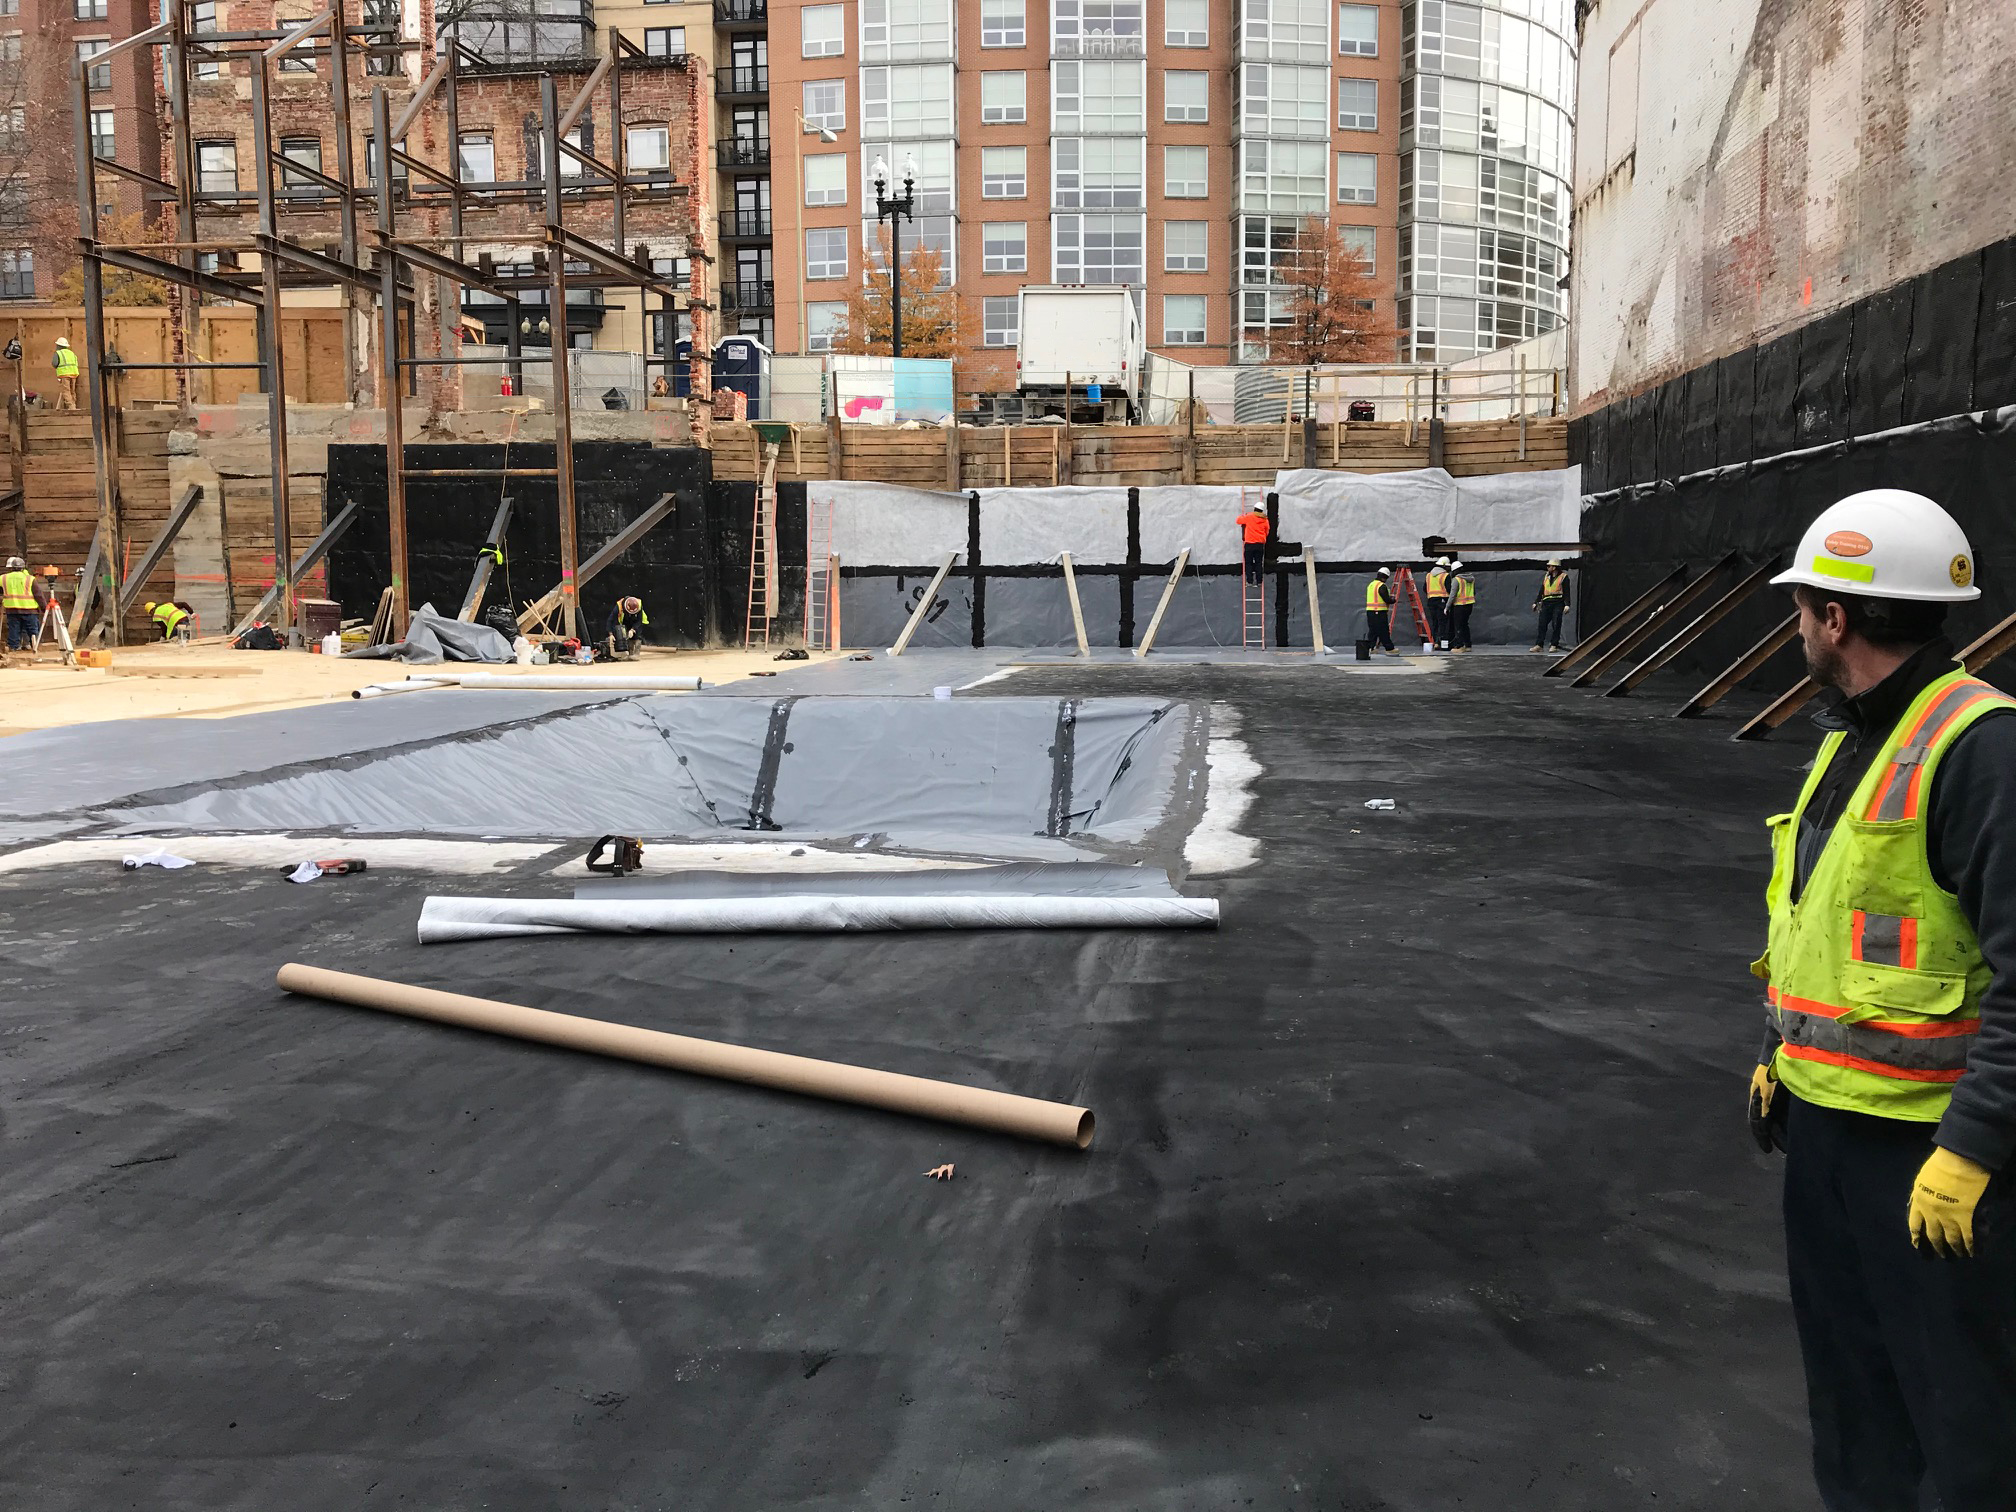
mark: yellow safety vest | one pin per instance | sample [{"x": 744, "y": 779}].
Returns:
[
  {"x": 1466, "y": 591},
  {"x": 1438, "y": 583},
  {"x": 169, "y": 618},
  {"x": 1554, "y": 585},
  {"x": 1375, "y": 595},
  {"x": 1874, "y": 975},
  {"x": 17, "y": 591},
  {"x": 66, "y": 363}
]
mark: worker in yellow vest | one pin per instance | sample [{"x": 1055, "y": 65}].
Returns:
[
  {"x": 170, "y": 619},
  {"x": 1889, "y": 1066},
  {"x": 1462, "y": 600},
  {"x": 67, "y": 370},
  {"x": 1379, "y": 610},
  {"x": 1551, "y": 606},
  {"x": 17, "y": 599},
  {"x": 1438, "y": 603}
]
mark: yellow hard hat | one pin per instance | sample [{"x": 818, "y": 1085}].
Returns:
[{"x": 150, "y": 606}]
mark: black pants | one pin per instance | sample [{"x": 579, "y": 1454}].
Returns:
[
  {"x": 1459, "y": 625},
  {"x": 1910, "y": 1359},
  {"x": 1256, "y": 558},
  {"x": 1379, "y": 628},
  {"x": 1438, "y": 620},
  {"x": 1551, "y": 611}
]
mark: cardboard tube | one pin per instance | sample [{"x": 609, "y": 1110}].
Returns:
[{"x": 1002, "y": 1112}]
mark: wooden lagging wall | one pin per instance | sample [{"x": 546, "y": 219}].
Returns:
[
  {"x": 60, "y": 489},
  {"x": 1041, "y": 455}
]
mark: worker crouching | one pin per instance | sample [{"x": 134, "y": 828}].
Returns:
[
  {"x": 172, "y": 619},
  {"x": 625, "y": 632}
]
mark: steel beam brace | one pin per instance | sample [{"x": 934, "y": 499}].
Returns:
[
  {"x": 617, "y": 544},
  {"x": 1658, "y": 620},
  {"x": 303, "y": 564},
  {"x": 136, "y": 580},
  {"x": 1697, "y": 627},
  {"x": 1618, "y": 623},
  {"x": 1719, "y": 686},
  {"x": 486, "y": 561}
]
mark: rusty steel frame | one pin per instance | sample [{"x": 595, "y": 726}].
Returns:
[{"x": 389, "y": 275}]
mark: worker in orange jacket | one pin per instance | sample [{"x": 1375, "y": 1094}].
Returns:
[{"x": 1253, "y": 522}]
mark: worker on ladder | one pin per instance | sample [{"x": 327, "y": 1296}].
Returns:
[
  {"x": 625, "y": 632},
  {"x": 17, "y": 598},
  {"x": 1379, "y": 610},
  {"x": 1438, "y": 604},
  {"x": 1462, "y": 599},
  {"x": 1253, "y": 522},
  {"x": 1551, "y": 606}
]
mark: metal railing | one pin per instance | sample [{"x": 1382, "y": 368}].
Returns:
[
  {"x": 1100, "y": 45},
  {"x": 745, "y": 222},
  {"x": 744, "y": 81},
  {"x": 744, "y": 152},
  {"x": 757, "y": 294},
  {"x": 740, "y": 12}
]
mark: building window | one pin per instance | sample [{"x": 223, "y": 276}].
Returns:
[
  {"x": 1286, "y": 178},
  {"x": 826, "y": 179},
  {"x": 893, "y": 31},
  {"x": 1186, "y": 246},
  {"x": 665, "y": 41},
  {"x": 1186, "y": 97},
  {"x": 907, "y": 102},
  {"x": 307, "y": 151},
  {"x": 17, "y": 273},
  {"x": 217, "y": 167},
  {"x": 478, "y": 158},
  {"x": 1284, "y": 101},
  {"x": 648, "y": 149},
  {"x": 104, "y": 135},
  {"x": 10, "y": 7},
  {"x": 1098, "y": 249},
  {"x": 1362, "y": 242},
  {"x": 1003, "y": 23},
  {"x": 1358, "y": 31},
  {"x": 1287, "y": 29},
  {"x": 203, "y": 18},
  {"x": 1001, "y": 320},
  {"x": 823, "y": 320},
  {"x": 1098, "y": 96},
  {"x": 382, "y": 61},
  {"x": 826, "y": 252},
  {"x": 1004, "y": 172},
  {"x": 1186, "y": 172},
  {"x": 826, "y": 104},
  {"x": 1097, "y": 28},
  {"x": 90, "y": 10},
  {"x": 96, "y": 75},
  {"x": 822, "y": 31},
  {"x": 1004, "y": 247},
  {"x": 1186, "y": 23},
  {"x": 302, "y": 58},
  {"x": 1183, "y": 320},
  {"x": 1357, "y": 178},
  {"x": 934, "y": 172},
  {"x": 1004, "y": 97},
  {"x": 398, "y": 169},
  {"x": 14, "y": 128},
  {"x": 1099, "y": 173},
  {"x": 1357, "y": 104}
]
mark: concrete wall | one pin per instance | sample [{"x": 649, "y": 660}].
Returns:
[{"x": 1743, "y": 166}]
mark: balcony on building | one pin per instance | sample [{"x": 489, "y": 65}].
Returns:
[
  {"x": 751, "y": 82},
  {"x": 745, "y": 225},
  {"x": 1099, "y": 29},
  {"x": 516, "y": 34},
  {"x": 744, "y": 155},
  {"x": 732, "y": 15},
  {"x": 750, "y": 297}
]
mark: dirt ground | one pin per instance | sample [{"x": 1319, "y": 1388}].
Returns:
[{"x": 209, "y": 680}]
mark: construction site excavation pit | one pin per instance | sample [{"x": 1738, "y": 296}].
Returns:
[{"x": 1037, "y": 778}]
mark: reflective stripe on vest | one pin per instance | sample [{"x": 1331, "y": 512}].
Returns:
[
  {"x": 168, "y": 617},
  {"x": 17, "y": 591},
  {"x": 1375, "y": 594},
  {"x": 1438, "y": 584},
  {"x": 1554, "y": 587},
  {"x": 1876, "y": 976},
  {"x": 1466, "y": 591}
]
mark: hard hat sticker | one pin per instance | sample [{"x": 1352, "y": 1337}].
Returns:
[
  {"x": 1849, "y": 543},
  {"x": 1853, "y": 572},
  {"x": 1962, "y": 572}
]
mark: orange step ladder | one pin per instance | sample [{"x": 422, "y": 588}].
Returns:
[{"x": 1404, "y": 579}]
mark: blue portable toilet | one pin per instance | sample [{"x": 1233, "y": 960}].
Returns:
[
  {"x": 680, "y": 370},
  {"x": 743, "y": 363}
]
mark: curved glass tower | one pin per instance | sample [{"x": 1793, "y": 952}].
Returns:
[{"x": 1486, "y": 129}]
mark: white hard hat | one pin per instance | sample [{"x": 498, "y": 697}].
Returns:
[
  {"x": 1441, "y": 561},
  {"x": 15, "y": 564},
  {"x": 63, "y": 341},
  {"x": 1385, "y": 572},
  {"x": 1456, "y": 566},
  {"x": 1886, "y": 543},
  {"x": 1553, "y": 561}
]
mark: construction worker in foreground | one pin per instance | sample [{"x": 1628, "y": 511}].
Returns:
[
  {"x": 625, "y": 632},
  {"x": 1551, "y": 606},
  {"x": 170, "y": 619},
  {"x": 1254, "y": 525},
  {"x": 17, "y": 598},
  {"x": 1379, "y": 609},
  {"x": 1438, "y": 604},
  {"x": 1462, "y": 599},
  {"x": 1889, "y": 1067},
  {"x": 65, "y": 363}
]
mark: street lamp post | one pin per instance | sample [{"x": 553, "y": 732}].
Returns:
[
  {"x": 825, "y": 134},
  {"x": 894, "y": 211}
]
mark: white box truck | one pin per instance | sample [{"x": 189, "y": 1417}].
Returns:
[{"x": 1086, "y": 335}]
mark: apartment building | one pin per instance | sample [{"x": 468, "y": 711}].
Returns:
[
  {"x": 42, "y": 44},
  {"x": 1176, "y": 146},
  {"x": 746, "y": 272}
]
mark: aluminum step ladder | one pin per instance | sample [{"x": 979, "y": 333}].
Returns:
[
  {"x": 1254, "y": 617},
  {"x": 822, "y": 575},
  {"x": 763, "y": 556}
]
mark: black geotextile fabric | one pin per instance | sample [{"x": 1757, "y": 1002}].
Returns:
[
  {"x": 1638, "y": 538},
  {"x": 731, "y": 513},
  {"x": 1422, "y": 1183},
  {"x": 448, "y": 518}
]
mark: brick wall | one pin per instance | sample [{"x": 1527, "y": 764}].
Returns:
[{"x": 1745, "y": 166}]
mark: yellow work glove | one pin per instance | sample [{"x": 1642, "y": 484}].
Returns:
[
  {"x": 1762, "y": 1086},
  {"x": 1943, "y": 1198}
]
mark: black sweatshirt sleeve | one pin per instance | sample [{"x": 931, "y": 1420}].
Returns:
[{"x": 1973, "y": 845}]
